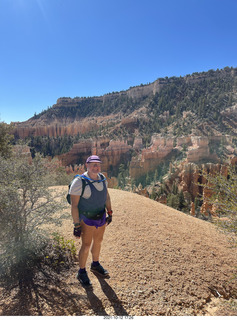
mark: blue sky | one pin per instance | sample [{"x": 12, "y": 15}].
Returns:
[{"x": 69, "y": 48}]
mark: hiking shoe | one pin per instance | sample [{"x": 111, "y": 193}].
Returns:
[
  {"x": 83, "y": 278},
  {"x": 99, "y": 270}
]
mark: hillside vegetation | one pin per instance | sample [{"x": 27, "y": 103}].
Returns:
[{"x": 201, "y": 103}]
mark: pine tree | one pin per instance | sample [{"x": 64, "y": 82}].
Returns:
[
  {"x": 5, "y": 138},
  {"x": 224, "y": 197}
]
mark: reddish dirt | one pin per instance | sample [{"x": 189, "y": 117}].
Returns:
[{"x": 161, "y": 262}]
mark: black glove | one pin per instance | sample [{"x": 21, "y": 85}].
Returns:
[
  {"x": 77, "y": 231},
  {"x": 109, "y": 219}
]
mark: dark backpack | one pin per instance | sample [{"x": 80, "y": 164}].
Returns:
[{"x": 85, "y": 181}]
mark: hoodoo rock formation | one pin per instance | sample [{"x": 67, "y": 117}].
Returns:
[
  {"x": 199, "y": 149},
  {"x": 162, "y": 148},
  {"x": 188, "y": 175},
  {"x": 78, "y": 154},
  {"x": 115, "y": 152},
  {"x": 190, "y": 178},
  {"x": 152, "y": 156},
  {"x": 53, "y": 129},
  {"x": 112, "y": 153}
]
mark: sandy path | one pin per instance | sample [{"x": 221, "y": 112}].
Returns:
[{"x": 161, "y": 261}]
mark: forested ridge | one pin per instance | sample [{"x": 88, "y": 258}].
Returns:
[
  {"x": 177, "y": 106},
  {"x": 210, "y": 92}
]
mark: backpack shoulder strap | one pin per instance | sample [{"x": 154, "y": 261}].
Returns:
[
  {"x": 84, "y": 183},
  {"x": 102, "y": 177}
]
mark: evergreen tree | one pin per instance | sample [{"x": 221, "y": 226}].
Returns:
[
  {"x": 224, "y": 197},
  {"x": 5, "y": 138},
  {"x": 182, "y": 202},
  {"x": 173, "y": 201}
]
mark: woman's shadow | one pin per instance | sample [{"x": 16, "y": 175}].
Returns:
[{"x": 97, "y": 305}]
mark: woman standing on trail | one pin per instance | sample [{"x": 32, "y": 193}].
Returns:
[{"x": 89, "y": 198}]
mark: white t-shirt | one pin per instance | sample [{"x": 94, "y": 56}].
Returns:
[{"x": 76, "y": 187}]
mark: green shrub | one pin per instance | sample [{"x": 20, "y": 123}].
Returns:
[
  {"x": 224, "y": 197},
  {"x": 61, "y": 253},
  {"x": 5, "y": 138},
  {"x": 27, "y": 208}
]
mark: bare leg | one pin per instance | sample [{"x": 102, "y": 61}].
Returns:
[
  {"x": 97, "y": 240},
  {"x": 86, "y": 237}
]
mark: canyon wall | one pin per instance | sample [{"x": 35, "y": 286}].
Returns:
[
  {"x": 187, "y": 175},
  {"x": 65, "y": 117},
  {"x": 152, "y": 156},
  {"x": 197, "y": 149},
  {"x": 191, "y": 179},
  {"x": 54, "y": 129},
  {"x": 114, "y": 152},
  {"x": 111, "y": 152}
]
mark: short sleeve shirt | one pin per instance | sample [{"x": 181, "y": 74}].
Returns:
[{"x": 76, "y": 187}]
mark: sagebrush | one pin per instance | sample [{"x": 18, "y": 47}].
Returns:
[{"x": 27, "y": 209}]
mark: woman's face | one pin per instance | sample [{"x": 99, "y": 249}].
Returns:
[{"x": 93, "y": 168}]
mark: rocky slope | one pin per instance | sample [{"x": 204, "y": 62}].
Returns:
[
  {"x": 178, "y": 121},
  {"x": 201, "y": 154},
  {"x": 114, "y": 152},
  {"x": 205, "y": 101},
  {"x": 161, "y": 262}
]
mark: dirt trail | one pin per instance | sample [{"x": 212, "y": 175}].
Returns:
[{"x": 161, "y": 262}]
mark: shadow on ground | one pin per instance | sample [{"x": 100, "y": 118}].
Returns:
[
  {"x": 47, "y": 294},
  {"x": 96, "y": 303}
]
